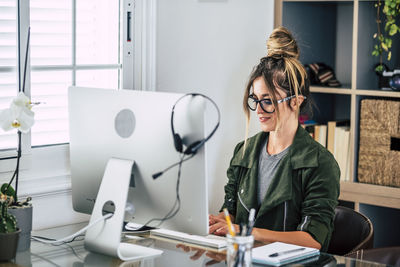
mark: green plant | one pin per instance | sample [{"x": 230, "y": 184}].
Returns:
[
  {"x": 8, "y": 222},
  {"x": 391, "y": 11}
]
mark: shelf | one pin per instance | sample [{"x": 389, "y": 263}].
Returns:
[
  {"x": 330, "y": 90},
  {"x": 370, "y": 194},
  {"x": 360, "y": 92},
  {"x": 381, "y": 93}
]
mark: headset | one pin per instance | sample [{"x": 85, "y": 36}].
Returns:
[{"x": 191, "y": 149}]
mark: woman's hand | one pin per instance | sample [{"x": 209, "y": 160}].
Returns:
[
  {"x": 214, "y": 256},
  {"x": 219, "y": 226}
]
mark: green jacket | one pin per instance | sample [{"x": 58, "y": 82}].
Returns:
[{"x": 301, "y": 197}]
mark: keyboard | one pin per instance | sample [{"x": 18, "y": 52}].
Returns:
[{"x": 212, "y": 241}]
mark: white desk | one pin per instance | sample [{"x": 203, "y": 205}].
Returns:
[{"x": 74, "y": 254}]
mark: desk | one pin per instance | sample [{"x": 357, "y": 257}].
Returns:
[{"x": 74, "y": 254}]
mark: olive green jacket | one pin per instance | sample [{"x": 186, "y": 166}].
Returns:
[{"x": 301, "y": 197}]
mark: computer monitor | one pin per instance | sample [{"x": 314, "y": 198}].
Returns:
[{"x": 136, "y": 125}]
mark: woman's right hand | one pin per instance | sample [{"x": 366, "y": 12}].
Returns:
[{"x": 218, "y": 225}]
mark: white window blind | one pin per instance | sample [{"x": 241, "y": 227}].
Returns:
[
  {"x": 72, "y": 43},
  {"x": 8, "y": 64}
]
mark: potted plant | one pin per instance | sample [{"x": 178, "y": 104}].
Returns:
[
  {"x": 9, "y": 234},
  {"x": 391, "y": 11},
  {"x": 18, "y": 116},
  {"x": 22, "y": 212}
]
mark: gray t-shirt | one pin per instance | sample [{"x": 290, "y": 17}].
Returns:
[{"x": 267, "y": 166}]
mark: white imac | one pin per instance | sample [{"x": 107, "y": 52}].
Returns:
[{"x": 136, "y": 125}]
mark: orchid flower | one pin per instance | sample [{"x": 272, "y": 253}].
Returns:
[{"x": 19, "y": 115}]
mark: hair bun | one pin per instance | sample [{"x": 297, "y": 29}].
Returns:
[{"x": 282, "y": 44}]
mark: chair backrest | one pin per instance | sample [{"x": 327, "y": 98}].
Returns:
[
  {"x": 386, "y": 255},
  {"x": 352, "y": 231}
]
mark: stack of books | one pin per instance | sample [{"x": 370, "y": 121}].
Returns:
[{"x": 335, "y": 136}]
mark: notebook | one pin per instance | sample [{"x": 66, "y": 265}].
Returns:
[{"x": 279, "y": 253}]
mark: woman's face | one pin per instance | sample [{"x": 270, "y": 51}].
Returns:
[{"x": 268, "y": 121}]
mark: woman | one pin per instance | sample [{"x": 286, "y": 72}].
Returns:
[{"x": 288, "y": 178}]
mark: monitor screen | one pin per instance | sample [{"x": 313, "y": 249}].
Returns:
[{"x": 136, "y": 125}]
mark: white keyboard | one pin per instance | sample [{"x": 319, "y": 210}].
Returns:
[{"x": 213, "y": 241}]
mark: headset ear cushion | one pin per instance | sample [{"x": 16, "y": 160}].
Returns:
[
  {"x": 178, "y": 143},
  {"x": 192, "y": 148}
]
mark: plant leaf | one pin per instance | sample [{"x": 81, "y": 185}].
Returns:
[
  {"x": 379, "y": 68},
  {"x": 9, "y": 192},
  {"x": 393, "y": 29}
]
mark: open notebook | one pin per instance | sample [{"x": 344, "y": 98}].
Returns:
[{"x": 279, "y": 253}]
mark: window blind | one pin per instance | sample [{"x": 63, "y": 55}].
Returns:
[
  {"x": 8, "y": 64},
  {"x": 73, "y": 43}
]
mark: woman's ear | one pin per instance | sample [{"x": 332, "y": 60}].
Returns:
[{"x": 296, "y": 102}]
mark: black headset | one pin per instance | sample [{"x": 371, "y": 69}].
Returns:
[{"x": 195, "y": 146}]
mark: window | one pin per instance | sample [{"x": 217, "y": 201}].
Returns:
[{"x": 72, "y": 42}]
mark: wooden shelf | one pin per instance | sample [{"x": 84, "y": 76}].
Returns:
[
  {"x": 381, "y": 93},
  {"x": 330, "y": 90},
  {"x": 383, "y": 196}
]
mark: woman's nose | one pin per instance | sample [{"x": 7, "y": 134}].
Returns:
[{"x": 259, "y": 109}]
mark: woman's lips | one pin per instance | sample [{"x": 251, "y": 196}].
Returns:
[{"x": 264, "y": 119}]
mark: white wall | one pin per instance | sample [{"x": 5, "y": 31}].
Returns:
[{"x": 210, "y": 47}]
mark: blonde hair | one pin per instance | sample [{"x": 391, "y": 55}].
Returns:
[{"x": 281, "y": 69}]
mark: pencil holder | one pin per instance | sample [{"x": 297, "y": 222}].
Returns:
[{"x": 239, "y": 250}]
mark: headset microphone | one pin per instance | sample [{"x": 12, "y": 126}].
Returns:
[
  {"x": 186, "y": 153},
  {"x": 158, "y": 174}
]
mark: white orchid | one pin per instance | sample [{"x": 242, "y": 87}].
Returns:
[{"x": 19, "y": 115}]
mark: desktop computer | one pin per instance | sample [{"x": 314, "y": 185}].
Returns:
[{"x": 136, "y": 125}]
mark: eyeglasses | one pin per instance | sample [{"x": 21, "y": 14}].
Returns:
[{"x": 266, "y": 104}]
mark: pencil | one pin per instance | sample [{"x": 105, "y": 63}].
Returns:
[
  {"x": 228, "y": 221},
  {"x": 230, "y": 226}
]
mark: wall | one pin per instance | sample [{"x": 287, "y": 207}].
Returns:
[{"x": 210, "y": 46}]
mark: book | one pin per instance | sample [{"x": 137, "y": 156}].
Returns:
[
  {"x": 341, "y": 149},
  {"x": 330, "y": 143},
  {"x": 331, "y": 132},
  {"x": 322, "y": 134},
  {"x": 279, "y": 253}
]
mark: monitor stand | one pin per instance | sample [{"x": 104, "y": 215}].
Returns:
[{"x": 105, "y": 237}]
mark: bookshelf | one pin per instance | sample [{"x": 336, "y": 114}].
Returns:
[{"x": 339, "y": 34}]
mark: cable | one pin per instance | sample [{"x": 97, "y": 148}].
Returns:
[
  {"x": 177, "y": 204},
  {"x": 73, "y": 236}
]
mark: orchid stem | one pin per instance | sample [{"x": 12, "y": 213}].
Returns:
[{"x": 16, "y": 172}]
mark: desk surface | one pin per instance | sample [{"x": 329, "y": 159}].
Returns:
[{"x": 74, "y": 254}]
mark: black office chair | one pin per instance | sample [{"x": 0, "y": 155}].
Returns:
[
  {"x": 386, "y": 255},
  {"x": 352, "y": 231}
]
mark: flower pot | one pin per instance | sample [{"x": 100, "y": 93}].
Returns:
[
  {"x": 24, "y": 222},
  {"x": 8, "y": 245}
]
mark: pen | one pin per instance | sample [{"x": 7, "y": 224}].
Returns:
[
  {"x": 250, "y": 223},
  {"x": 276, "y": 254}
]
